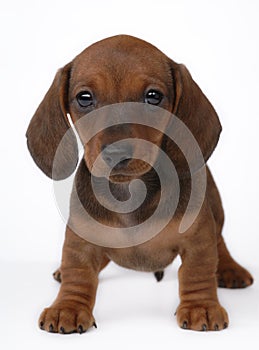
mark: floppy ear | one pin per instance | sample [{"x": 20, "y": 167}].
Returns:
[
  {"x": 193, "y": 108},
  {"x": 47, "y": 128}
]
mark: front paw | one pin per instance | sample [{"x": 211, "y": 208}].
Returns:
[
  {"x": 202, "y": 316},
  {"x": 66, "y": 318}
]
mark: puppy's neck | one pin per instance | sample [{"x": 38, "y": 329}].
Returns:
[{"x": 90, "y": 198}]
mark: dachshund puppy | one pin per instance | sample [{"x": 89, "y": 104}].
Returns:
[{"x": 116, "y": 71}]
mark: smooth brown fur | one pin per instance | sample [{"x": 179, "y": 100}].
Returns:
[{"x": 116, "y": 70}]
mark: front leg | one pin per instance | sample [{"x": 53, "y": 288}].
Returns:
[
  {"x": 72, "y": 309},
  {"x": 199, "y": 307}
]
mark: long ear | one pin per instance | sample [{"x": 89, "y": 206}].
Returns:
[
  {"x": 193, "y": 108},
  {"x": 47, "y": 128}
]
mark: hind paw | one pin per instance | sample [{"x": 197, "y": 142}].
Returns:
[{"x": 233, "y": 276}]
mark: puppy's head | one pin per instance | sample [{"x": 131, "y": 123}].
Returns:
[{"x": 118, "y": 70}]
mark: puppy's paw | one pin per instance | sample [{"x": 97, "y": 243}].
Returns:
[
  {"x": 211, "y": 317},
  {"x": 66, "y": 319},
  {"x": 232, "y": 275}
]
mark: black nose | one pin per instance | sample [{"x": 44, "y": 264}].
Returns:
[{"x": 117, "y": 156}]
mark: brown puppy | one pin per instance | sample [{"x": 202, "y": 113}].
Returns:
[{"x": 124, "y": 69}]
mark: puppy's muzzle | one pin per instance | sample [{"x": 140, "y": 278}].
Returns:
[{"x": 117, "y": 157}]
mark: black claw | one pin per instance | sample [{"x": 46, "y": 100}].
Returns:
[
  {"x": 204, "y": 328},
  {"x": 95, "y": 325},
  {"x": 57, "y": 276},
  {"x": 225, "y": 325},
  {"x": 159, "y": 275},
  {"x": 216, "y": 327},
  {"x": 62, "y": 330},
  {"x": 234, "y": 284},
  {"x": 185, "y": 324},
  {"x": 41, "y": 325},
  {"x": 221, "y": 284},
  {"x": 51, "y": 328},
  {"x": 80, "y": 329},
  {"x": 243, "y": 284}
]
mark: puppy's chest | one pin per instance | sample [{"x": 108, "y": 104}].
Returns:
[{"x": 143, "y": 258}]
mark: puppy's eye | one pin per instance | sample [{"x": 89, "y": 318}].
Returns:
[
  {"x": 153, "y": 97},
  {"x": 84, "y": 99}
]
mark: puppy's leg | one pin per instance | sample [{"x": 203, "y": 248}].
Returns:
[
  {"x": 72, "y": 309},
  {"x": 229, "y": 274},
  {"x": 199, "y": 307},
  {"x": 57, "y": 274}
]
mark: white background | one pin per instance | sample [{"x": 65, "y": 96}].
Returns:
[{"x": 218, "y": 41}]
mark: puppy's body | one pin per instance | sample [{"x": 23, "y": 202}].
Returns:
[{"x": 119, "y": 70}]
